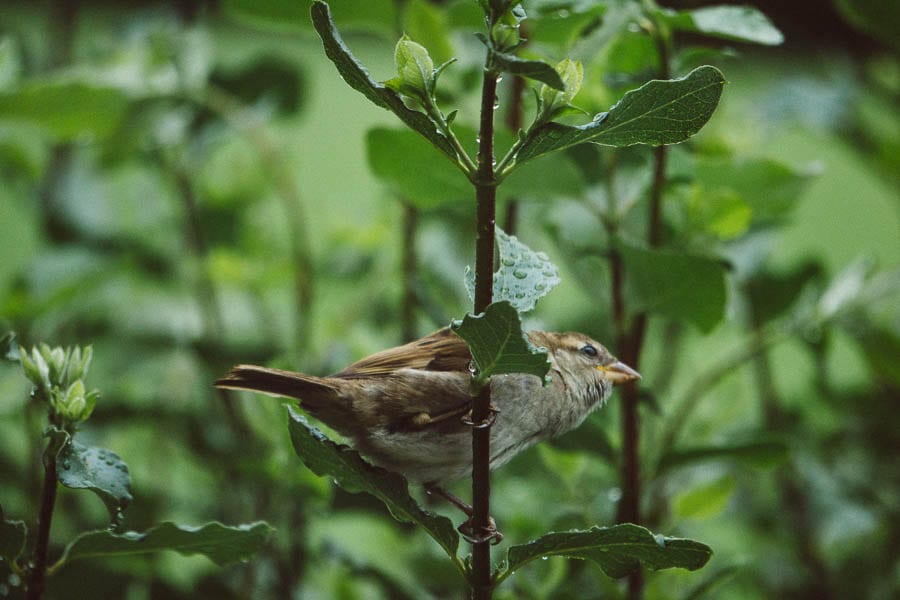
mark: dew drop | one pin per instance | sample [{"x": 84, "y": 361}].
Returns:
[
  {"x": 66, "y": 465},
  {"x": 540, "y": 287},
  {"x": 109, "y": 462},
  {"x": 520, "y": 274},
  {"x": 520, "y": 295},
  {"x": 543, "y": 256},
  {"x": 496, "y": 105},
  {"x": 549, "y": 274},
  {"x": 508, "y": 262}
]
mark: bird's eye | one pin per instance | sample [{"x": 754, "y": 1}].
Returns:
[{"x": 589, "y": 350}]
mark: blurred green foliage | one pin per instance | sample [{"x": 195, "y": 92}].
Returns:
[{"x": 185, "y": 191}]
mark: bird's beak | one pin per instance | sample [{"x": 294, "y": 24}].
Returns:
[{"x": 618, "y": 372}]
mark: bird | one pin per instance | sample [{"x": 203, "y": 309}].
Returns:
[{"x": 404, "y": 408}]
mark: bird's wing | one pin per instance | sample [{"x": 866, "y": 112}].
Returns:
[
  {"x": 443, "y": 350},
  {"x": 433, "y": 390}
]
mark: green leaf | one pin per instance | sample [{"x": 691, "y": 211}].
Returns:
[
  {"x": 66, "y": 109},
  {"x": 221, "y": 544},
  {"x": 12, "y": 538},
  {"x": 404, "y": 161},
  {"x": 659, "y": 112},
  {"x": 759, "y": 453},
  {"x": 705, "y": 500},
  {"x": 499, "y": 345},
  {"x": 327, "y": 458},
  {"x": 680, "y": 286},
  {"x": 358, "y": 78},
  {"x": 532, "y": 69},
  {"x": 98, "y": 470},
  {"x": 524, "y": 276},
  {"x": 718, "y": 211},
  {"x": 618, "y": 550},
  {"x": 770, "y": 188},
  {"x": 738, "y": 23}
]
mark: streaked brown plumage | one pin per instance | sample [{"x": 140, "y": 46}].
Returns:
[{"x": 402, "y": 407}]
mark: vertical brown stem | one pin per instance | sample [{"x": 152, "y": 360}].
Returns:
[
  {"x": 629, "y": 509},
  {"x": 410, "y": 298},
  {"x": 486, "y": 197},
  {"x": 45, "y": 518}
]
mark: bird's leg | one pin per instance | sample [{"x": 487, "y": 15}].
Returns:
[
  {"x": 434, "y": 489},
  {"x": 486, "y": 533}
]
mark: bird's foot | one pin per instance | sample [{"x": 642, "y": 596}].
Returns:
[
  {"x": 483, "y": 534},
  {"x": 467, "y": 529}
]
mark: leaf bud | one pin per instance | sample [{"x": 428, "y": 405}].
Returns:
[
  {"x": 572, "y": 75},
  {"x": 415, "y": 69}
]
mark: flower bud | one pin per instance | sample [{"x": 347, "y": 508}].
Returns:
[
  {"x": 415, "y": 69},
  {"x": 505, "y": 36},
  {"x": 74, "y": 405},
  {"x": 56, "y": 361},
  {"x": 78, "y": 363},
  {"x": 37, "y": 370}
]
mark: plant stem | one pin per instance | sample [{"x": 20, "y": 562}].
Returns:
[
  {"x": 45, "y": 518},
  {"x": 486, "y": 198},
  {"x": 410, "y": 296},
  {"x": 631, "y": 343}
]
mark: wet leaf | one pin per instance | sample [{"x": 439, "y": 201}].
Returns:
[
  {"x": 98, "y": 470},
  {"x": 499, "y": 345},
  {"x": 327, "y": 458},
  {"x": 221, "y": 544},
  {"x": 524, "y": 276},
  {"x": 618, "y": 550}
]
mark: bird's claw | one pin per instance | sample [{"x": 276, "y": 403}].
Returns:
[
  {"x": 485, "y": 534},
  {"x": 487, "y": 422}
]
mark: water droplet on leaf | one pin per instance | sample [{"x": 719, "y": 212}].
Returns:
[{"x": 520, "y": 274}]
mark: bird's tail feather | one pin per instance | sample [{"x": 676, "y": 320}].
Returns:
[{"x": 317, "y": 395}]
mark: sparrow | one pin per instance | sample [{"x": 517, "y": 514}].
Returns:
[{"x": 404, "y": 408}]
